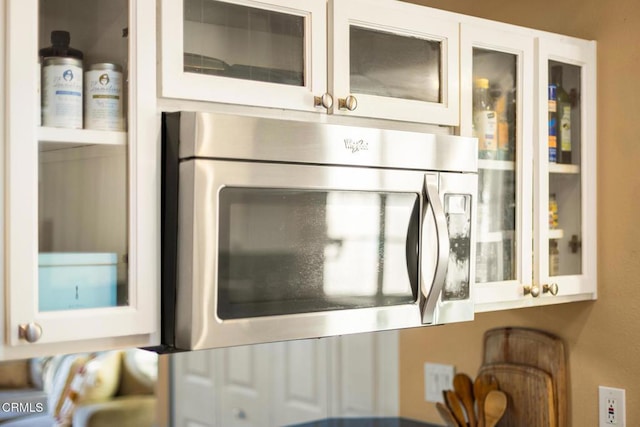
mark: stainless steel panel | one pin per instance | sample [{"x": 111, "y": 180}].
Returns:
[
  {"x": 198, "y": 325},
  {"x": 223, "y": 136}
]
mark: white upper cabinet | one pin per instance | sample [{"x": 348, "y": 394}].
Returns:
[
  {"x": 382, "y": 59},
  {"x": 529, "y": 98},
  {"x": 393, "y": 60},
  {"x": 269, "y": 54},
  {"x": 497, "y": 98},
  {"x": 81, "y": 217},
  {"x": 565, "y": 175}
]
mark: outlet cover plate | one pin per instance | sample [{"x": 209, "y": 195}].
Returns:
[{"x": 611, "y": 407}]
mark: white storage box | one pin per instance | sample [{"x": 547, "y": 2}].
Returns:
[{"x": 69, "y": 281}]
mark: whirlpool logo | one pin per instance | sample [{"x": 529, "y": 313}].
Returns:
[{"x": 355, "y": 146}]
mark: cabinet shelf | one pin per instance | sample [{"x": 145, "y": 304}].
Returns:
[
  {"x": 564, "y": 168},
  {"x": 58, "y": 138},
  {"x": 501, "y": 165}
]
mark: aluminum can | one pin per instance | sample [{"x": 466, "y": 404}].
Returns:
[
  {"x": 62, "y": 92},
  {"x": 103, "y": 105}
]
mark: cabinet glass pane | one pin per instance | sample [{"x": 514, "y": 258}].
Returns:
[
  {"x": 237, "y": 41},
  {"x": 393, "y": 65},
  {"x": 565, "y": 192},
  {"x": 494, "y": 124},
  {"x": 82, "y": 188}
]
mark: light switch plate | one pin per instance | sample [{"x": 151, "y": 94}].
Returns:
[{"x": 437, "y": 377}]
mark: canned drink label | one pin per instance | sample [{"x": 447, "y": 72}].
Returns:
[
  {"x": 103, "y": 100},
  {"x": 62, "y": 96}
]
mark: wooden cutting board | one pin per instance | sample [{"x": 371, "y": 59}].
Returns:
[
  {"x": 529, "y": 395},
  {"x": 534, "y": 348}
]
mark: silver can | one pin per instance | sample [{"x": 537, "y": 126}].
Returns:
[
  {"x": 103, "y": 97},
  {"x": 62, "y": 92}
]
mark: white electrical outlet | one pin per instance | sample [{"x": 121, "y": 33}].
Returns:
[
  {"x": 611, "y": 404},
  {"x": 437, "y": 377}
]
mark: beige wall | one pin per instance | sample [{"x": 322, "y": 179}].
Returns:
[{"x": 603, "y": 337}]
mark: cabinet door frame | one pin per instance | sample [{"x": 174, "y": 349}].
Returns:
[
  {"x": 137, "y": 322},
  {"x": 581, "y": 53},
  {"x": 472, "y": 35},
  {"x": 175, "y": 83},
  {"x": 403, "y": 19}
]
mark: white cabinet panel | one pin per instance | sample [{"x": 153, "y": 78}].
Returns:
[
  {"x": 287, "y": 383},
  {"x": 244, "y": 52},
  {"x": 64, "y": 196},
  {"x": 399, "y": 61},
  {"x": 194, "y": 381}
]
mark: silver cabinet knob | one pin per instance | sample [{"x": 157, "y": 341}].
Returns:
[
  {"x": 349, "y": 103},
  {"x": 30, "y": 332},
  {"x": 551, "y": 289},
  {"x": 534, "y": 290},
  {"x": 326, "y": 101}
]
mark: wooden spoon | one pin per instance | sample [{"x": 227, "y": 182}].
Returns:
[
  {"x": 446, "y": 415},
  {"x": 464, "y": 389},
  {"x": 494, "y": 406},
  {"x": 481, "y": 387},
  {"x": 455, "y": 406}
]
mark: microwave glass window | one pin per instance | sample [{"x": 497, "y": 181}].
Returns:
[
  {"x": 289, "y": 251},
  {"x": 394, "y": 65},
  {"x": 237, "y": 41}
]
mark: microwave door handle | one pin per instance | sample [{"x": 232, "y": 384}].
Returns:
[{"x": 432, "y": 295}]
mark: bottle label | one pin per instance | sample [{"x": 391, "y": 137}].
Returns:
[
  {"x": 565, "y": 128},
  {"x": 553, "y": 143},
  {"x": 486, "y": 130},
  {"x": 552, "y": 105},
  {"x": 62, "y": 96}
]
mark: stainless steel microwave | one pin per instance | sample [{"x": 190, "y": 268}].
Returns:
[{"x": 280, "y": 229}]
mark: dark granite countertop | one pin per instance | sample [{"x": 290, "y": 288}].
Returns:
[{"x": 365, "y": 422}]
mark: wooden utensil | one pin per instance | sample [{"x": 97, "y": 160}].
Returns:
[
  {"x": 483, "y": 384},
  {"x": 529, "y": 393},
  {"x": 534, "y": 348},
  {"x": 455, "y": 406},
  {"x": 446, "y": 415},
  {"x": 464, "y": 389},
  {"x": 495, "y": 405}
]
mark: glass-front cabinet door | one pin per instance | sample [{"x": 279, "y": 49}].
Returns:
[
  {"x": 81, "y": 226},
  {"x": 565, "y": 229},
  {"x": 393, "y": 60},
  {"x": 270, "y": 54},
  {"x": 497, "y": 98}
]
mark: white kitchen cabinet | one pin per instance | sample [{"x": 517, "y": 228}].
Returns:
[
  {"x": 287, "y": 383},
  {"x": 504, "y": 228},
  {"x": 79, "y": 193},
  {"x": 571, "y": 180},
  {"x": 393, "y": 60},
  {"x": 514, "y": 231},
  {"x": 382, "y": 59},
  {"x": 269, "y": 54}
]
